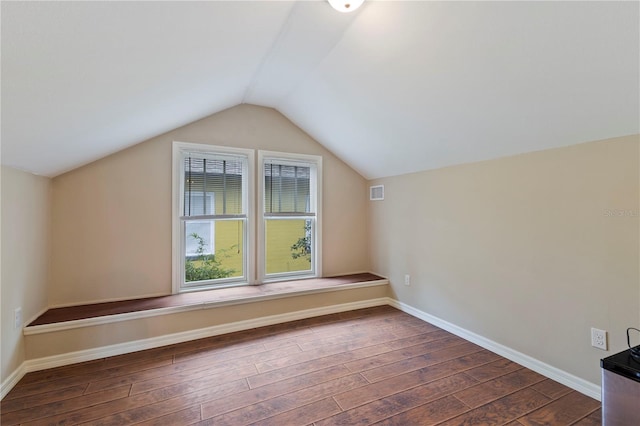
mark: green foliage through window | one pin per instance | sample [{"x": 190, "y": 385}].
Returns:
[
  {"x": 302, "y": 247},
  {"x": 206, "y": 266}
]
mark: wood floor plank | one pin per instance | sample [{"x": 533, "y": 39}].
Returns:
[
  {"x": 551, "y": 388},
  {"x": 418, "y": 362},
  {"x": 357, "y": 367},
  {"x": 96, "y": 384},
  {"x": 384, "y": 388},
  {"x": 314, "y": 365},
  {"x": 280, "y": 404},
  {"x": 254, "y": 355},
  {"x": 503, "y": 410},
  {"x": 299, "y": 357},
  {"x": 240, "y": 367},
  {"x": 593, "y": 419},
  {"x": 426, "y": 337},
  {"x": 77, "y": 415},
  {"x": 188, "y": 416},
  {"x": 107, "y": 409},
  {"x": 563, "y": 411},
  {"x": 219, "y": 343},
  {"x": 493, "y": 370},
  {"x": 171, "y": 405},
  {"x": 374, "y": 336},
  {"x": 400, "y": 402},
  {"x": 216, "y": 362},
  {"x": 32, "y": 401},
  {"x": 501, "y": 386},
  {"x": 325, "y": 389},
  {"x": 217, "y": 376},
  {"x": 284, "y": 338},
  {"x": 408, "y": 331},
  {"x": 355, "y": 324},
  {"x": 402, "y": 354},
  {"x": 255, "y": 396},
  {"x": 220, "y": 353},
  {"x": 53, "y": 408},
  {"x": 73, "y": 380},
  {"x": 302, "y": 415},
  {"x": 428, "y": 414},
  {"x": 64, "y": 371},
  {"x": 153, "y": 353}
]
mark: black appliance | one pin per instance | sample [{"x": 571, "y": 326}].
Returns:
[{"x": 621, "y": 388}]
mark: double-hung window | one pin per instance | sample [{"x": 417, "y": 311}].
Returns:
[
  {"x": 216, "y": 213},
  {"x": 289, "y": 227},
  {"x": 213, "y": 216}
]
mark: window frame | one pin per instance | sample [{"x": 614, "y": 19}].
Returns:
[
  {"x": 178, "y": 243},
  {"x": 212, "y": 230},
  {"x": 316, "y": 204}
]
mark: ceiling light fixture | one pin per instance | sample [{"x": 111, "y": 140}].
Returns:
[{"x": 345, "y": 5}]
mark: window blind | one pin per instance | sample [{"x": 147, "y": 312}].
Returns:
[
  {"x": 212, "y": 185},
  {"x": 287, "y": 188}
]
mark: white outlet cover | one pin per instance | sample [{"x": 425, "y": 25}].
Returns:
[
  {"x": 599, "y": 339},
  {"x": 17, "y": 318}
]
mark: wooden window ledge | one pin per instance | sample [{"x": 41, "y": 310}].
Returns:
[{"x": 56, "y": 319}]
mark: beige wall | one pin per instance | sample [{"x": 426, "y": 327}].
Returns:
[
  {"x": 529, "y": 251},
  {"x": 112, "y": 218},
  {"x": 25, "y": 258}
]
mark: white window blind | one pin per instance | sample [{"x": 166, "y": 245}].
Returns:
[
  {"x": 287, "y": 188},
  {"x": 219, "y": 175}
]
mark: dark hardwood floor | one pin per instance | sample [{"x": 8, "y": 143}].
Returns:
[{"x": 371, "y": 366}]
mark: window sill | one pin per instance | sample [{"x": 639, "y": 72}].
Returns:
[{"x": 66, "y": 318}]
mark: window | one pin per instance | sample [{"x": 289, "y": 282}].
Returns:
[
  {"x": 289, "y": 227},
  {"x": 211, "y": 216},
  {"x": 214, "y": 218},
  {"x": 196, "y": 229}
]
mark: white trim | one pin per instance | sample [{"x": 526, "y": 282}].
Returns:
[
  {"x": 316, "y": 207},
  {"x": 176, "y": 263},
  {"x": 12, "y": 380},
  {"x": 89, "y": 322},
  {"x": 209, "y": 200},
  {"x": 154, "y": 342},
  {"x": 248, "y": 192},
  {"x": 583, "y": 386}
]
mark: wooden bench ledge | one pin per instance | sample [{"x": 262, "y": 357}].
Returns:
[{"x": 199, "y": 298}]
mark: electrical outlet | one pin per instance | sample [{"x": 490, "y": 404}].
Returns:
[
  {"x": 17, "y": 318},
  {"x": 407, "y": 279},
  {"x": 599, "y": 339}
]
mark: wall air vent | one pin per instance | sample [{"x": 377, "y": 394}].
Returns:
[{"x": 376, "y": 193}]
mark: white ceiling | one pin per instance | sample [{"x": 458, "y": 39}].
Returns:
[{"x": 393, "y": 88}]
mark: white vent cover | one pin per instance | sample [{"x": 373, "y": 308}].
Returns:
[{"x": 376, "y": 193}]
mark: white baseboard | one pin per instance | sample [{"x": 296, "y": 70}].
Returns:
[
  {"x": 567, "y": 379},
  {"x": 546, "y": 370},
  {"x": 154, "y": 342},
  {"x": 12, "y": 380}
]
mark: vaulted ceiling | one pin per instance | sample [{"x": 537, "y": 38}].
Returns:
[{"x": 393, "y": 88}]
